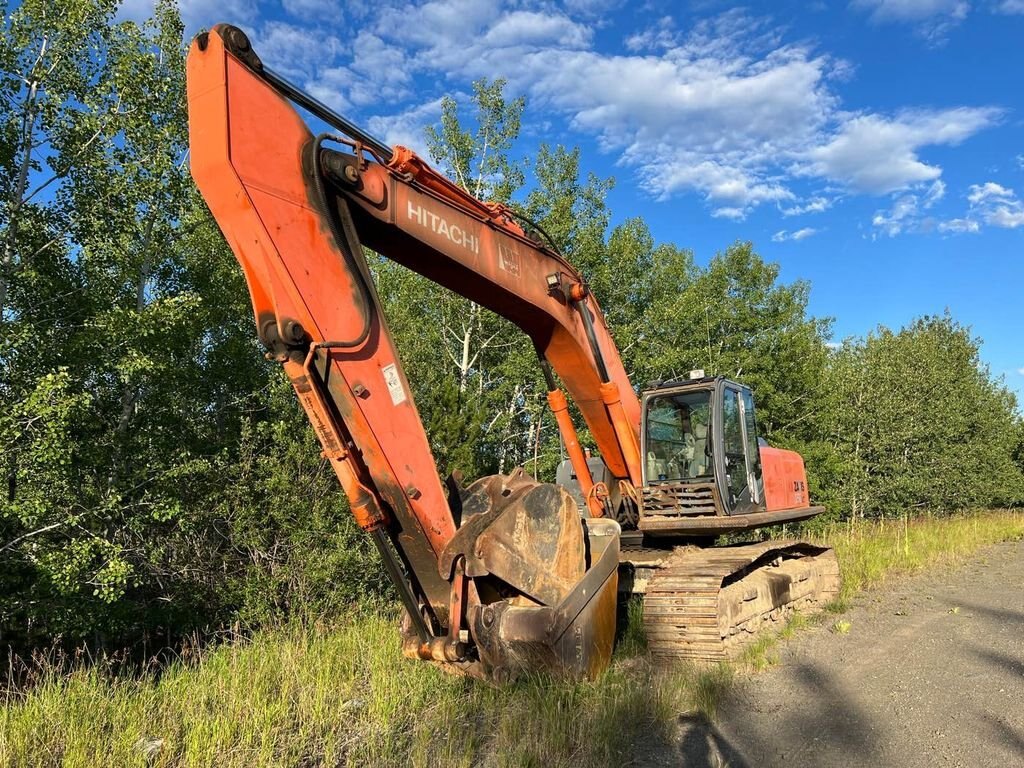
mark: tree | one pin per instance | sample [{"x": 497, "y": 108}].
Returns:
[
  {"x": 452, "y": 347},
  {"x": 920, "y": 423},
  {"x": 735, "y": 318},
  {"x": 134, "y": 384},
  {"x": 478, "y": 161}
]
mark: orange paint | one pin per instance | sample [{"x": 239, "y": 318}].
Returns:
[
  {"x": 246, "y": 149},
  {"x": 785, "y": 480},
  {"x": 560, "y": 409}
]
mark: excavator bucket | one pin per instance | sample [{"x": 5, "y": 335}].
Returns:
[{"x": 544, "y": 580}]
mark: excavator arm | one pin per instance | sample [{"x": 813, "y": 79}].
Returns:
[{"x": 497, "y": 578}]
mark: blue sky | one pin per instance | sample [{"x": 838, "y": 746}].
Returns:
[{"x": 872, "y": 147}]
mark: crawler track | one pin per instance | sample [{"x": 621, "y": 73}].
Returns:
[{"x": 706, "y": 604}]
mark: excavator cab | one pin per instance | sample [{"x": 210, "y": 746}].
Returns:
[
  {"x": 680, "y": 450},
  {"x": 704, "y": 469},
  {"x": 706, "y": 473}
]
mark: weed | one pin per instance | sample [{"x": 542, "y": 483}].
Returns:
[
  {"x": 633, "y": 641},
  {"x": 841, "y": 627}
]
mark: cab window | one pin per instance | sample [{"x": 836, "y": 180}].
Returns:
[
  {"x": 753, "y": 450},
  {"x": 735, "y": 456},
  {"x": 678, "y": 444}
]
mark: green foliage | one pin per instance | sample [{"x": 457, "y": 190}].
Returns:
[
  {"x": 734, "y": 318},
  {"x": 158, "y": 475},
  {"x": 474, "y": 375},
  {"x": 282, "y": 513},
  {"x": 478, "y": 160},
  {"x": 912, "y": 419}
]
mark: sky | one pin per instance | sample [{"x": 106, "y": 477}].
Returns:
[{"x": 872, "y": 147}]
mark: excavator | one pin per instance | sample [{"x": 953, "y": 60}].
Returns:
[{"x": 506, "y": 576}]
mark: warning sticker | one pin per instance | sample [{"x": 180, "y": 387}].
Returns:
[
  {"x": 394, "y": 382},
  {"x": 508, "y": 259}
]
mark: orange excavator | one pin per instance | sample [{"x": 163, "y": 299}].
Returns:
[{"x": 508, "y": 575}]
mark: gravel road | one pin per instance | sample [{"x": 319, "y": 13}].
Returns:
[{"x": 930, "y": 673}]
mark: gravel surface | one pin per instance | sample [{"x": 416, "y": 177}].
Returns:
[{"x": 930, "y": 673}]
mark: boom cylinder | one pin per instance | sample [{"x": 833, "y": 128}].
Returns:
[
  {"x": 560, "y": 409},
  {"x": 627, "y": 437}
]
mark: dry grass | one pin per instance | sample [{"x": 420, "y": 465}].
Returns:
[
  {"x": 343, "y": 695},
  {"x": 871, "y": 552}
]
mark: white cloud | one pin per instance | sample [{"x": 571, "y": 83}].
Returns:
[
  {"x": 447, "y": 35},
  {"x": 382, "y": 69},
  {"x": 912, "y": 10},
  {"x": 726, "y": 109},
  {"x": 329, "y": 86},
  {"x": 996, "y": 205},
  {"x": 935, "y": 193},
  {"x": 528, "y": 28},
  {"x": 196, "y": 14},
  {"x": 294, "y": 51},
  {"x": 782, "y": 235},
  {"x": 717, "y": 111},
  {"x": 1010, "y": 7},
  {"x": 593, "y": 7},
  {"x": 932, "y": 19},
  {"x": 1006, "y": 217},
  {"x": 981, "y": 193},
  {"x": 959, "y": 226},
  {"x": 1020, "y": 371},
  {"x": 659, "y": 36},
  {"x": 901, "y": 217},
  {"x": 990, "y": 204},
  {"x": 305, "y": 9},
  {"x": 377, "y": 71},
  {"x": 814, "y": 205},
  {"x": 908, "y": 212},
  {"x": 407, "y": 128},
  {"x": 875, "y": 154},
  {"x": 720, "y": 182},
  {"x": 711, "y": 114}
]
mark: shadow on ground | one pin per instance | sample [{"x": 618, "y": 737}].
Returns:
[
  {"x": 838, "y": 726},
  {"x": 1001, "y": 615}
]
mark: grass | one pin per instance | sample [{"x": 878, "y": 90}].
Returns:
[
  {"x": 343, "y": 695},
  {"x": 841, "y": 627},
  {"x": 338, "y": 696},
  {"x": 872, "y": 552}
]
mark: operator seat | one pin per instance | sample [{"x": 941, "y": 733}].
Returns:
[{"x": 699, "y": 465}]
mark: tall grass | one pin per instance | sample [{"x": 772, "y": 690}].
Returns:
[
  {"x": 870, "y": 552},
  {"x": 336, "y": 696},
  {"x": 343, "y": 695}
]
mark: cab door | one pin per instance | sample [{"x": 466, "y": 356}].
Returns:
[{"x": 742, "y": 485}]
